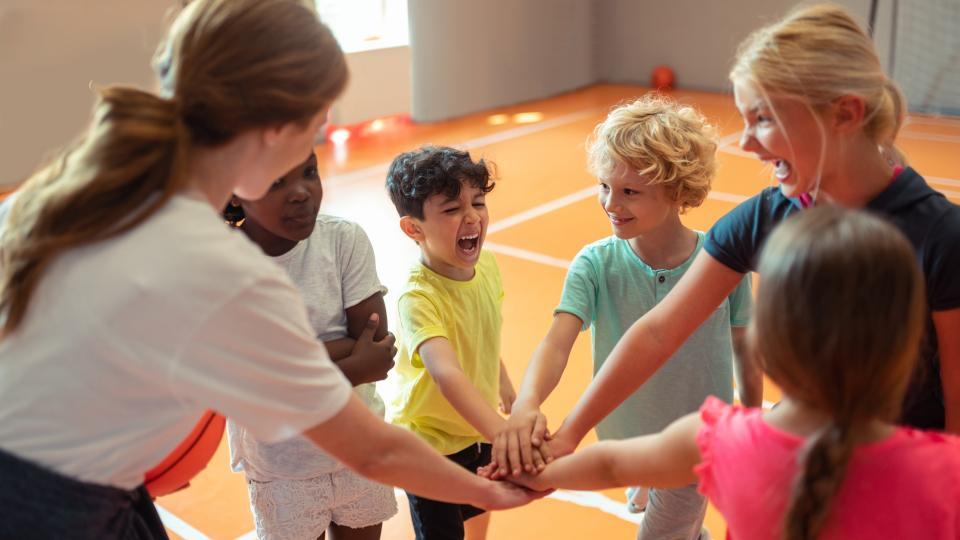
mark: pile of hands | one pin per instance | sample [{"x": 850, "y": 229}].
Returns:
[{"x": 524, "y": 447}]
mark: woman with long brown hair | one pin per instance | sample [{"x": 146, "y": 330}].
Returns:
[{"x": 129, "y": 308}]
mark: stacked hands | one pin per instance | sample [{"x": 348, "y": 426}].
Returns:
[{"x": 524, "y": 447}]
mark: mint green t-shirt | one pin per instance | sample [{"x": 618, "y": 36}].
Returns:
[{"x": 609, "y": 287}]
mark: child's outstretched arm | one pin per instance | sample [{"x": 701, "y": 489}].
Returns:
[
  {"x": 441, "y": 362},
  {"x": 664, "y": 460},
  {"x": 526, "y": 429},
  {"x": 507, "y": 393},
  {"x": 947, "y": 325},
  {"x": 366, "y": 355},
  {"x": 647, "y": 344},
  {"x": 392, "y": 455},
  {"x": 748, "y": 374}
]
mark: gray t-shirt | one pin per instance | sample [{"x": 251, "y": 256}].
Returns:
[
  {"x": 609, "y": 287},
  {"x": 334, "y": 269}
]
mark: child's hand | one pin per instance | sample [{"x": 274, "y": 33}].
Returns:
[
  {"x": 370, "y": 360},
  {"x": 514, "y": 447},
  {"x": 535, "y": 482},
  {"x": 504, "y": 495}
]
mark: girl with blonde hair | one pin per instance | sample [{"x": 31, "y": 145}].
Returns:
[{"x": 818, "y": 108}]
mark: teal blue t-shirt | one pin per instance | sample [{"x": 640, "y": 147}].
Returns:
[{"x": 609, "y": 287}]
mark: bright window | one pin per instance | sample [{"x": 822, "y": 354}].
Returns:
[{"x": 362, "y": 25}]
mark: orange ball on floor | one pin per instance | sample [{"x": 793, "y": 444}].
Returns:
[{"x": 661, "y": 78}]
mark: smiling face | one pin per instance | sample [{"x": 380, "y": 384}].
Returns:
[
  {"x": 451, "y": 232},
  {"x": 633, "y": 206},
  {"x": 787, "y": 134},
  {"x": 287, "y": 213}
]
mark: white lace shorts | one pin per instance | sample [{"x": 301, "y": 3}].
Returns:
[{"x": 304, "y": 509}]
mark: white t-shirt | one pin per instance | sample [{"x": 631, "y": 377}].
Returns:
[
  {"x": 127, "y": 341},
  {"x": 334, "y": 269}
]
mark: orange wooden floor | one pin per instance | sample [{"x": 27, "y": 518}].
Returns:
[{"x": 543, "y": 211}]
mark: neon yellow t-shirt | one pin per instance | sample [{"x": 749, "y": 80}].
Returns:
[{"x": 467, "y": 313}]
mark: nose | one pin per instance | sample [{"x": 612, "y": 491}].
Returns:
[
  {"x": 472, "y": 215},
  {"x": 299, "y": 193},
  {"x": 748, "y": 143},
  {"x": 609, "y": 202}
]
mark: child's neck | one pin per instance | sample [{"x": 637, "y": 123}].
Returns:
[
  {"x": 667, "y": 246},
  {"x": 803, "y": 421},
  {"x": 271, "y": 244},
  {"x": 446, "y": 270}
]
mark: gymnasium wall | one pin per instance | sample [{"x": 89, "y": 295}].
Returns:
[
  {"x": 471, "y": 55},
  {"x": 50, "y": 54}
]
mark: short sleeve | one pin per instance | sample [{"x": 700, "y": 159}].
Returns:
[
  {"x": 255, "y": 360},
  {"x": 943, "y": 272},
  {"x": 710, "y": 413},
  {"x": 580, "y": 287},
  {"x": 741, "y": 302},
  {"x": 420, "y": 320},
  {"x": 731, "y": 239},
  {"x": 358, "y": 265}
]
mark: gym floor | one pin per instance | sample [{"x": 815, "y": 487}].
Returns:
[{"x": 543, "y": 210}]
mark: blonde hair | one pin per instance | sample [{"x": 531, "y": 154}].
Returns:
[
  {"x": 818, "y": 54},
  {"x": 225, "y": 66},
  {"x": 665, "y": 143},
  {"x": 838, "y": 322}
]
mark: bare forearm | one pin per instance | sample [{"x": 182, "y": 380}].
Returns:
[
  {"x": 469, "y": 403},
  {"x": 635, "y": 359},
  {"x": 549, "y": 360},
  {"x": 588, "y": 469},
  {"x": 394, "y": 456},
  {"x": 947, "y": 325},
  {"x": 542, "y": 376},
  {"x": 748, "y": 374},
  {"x": 427, "y": 473},
  {"x": 650, "y": 341},
  {"x": 338, "y": 349},
  {"x": 341, "y": 352}
]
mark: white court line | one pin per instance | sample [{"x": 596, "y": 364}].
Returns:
[
  {"x": 735, "y": 150},
  {"x": 729, "y": 139},
  {"x": 591, "y": 499},
  {"x": 941, "y": 180},
  {"x": 577, "y": 196},
  {"x": 542, "y": 209},
  {"x": 919, "y": 135},
  {"x": 380, "y": 170},
  {"x": 932, "y": 121},
  {"x": 527, "y": 255},
  {"x": 179, "y": 526}
]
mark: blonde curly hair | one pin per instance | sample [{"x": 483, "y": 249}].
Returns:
[{"x": 662, "y": 141}]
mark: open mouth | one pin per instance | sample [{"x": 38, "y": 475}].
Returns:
[
  {"x": 469, "y": 244},
  {"x": 618, "y": 221},
  {"x": 782, "y": 170}
]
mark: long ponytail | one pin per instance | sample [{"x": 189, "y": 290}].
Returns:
[
  {"x": 125, "y": 168},
  {"x": 836, "y": 346},
  {"x": 824, "y": 468},
  {"x": 225, "y": 67}
]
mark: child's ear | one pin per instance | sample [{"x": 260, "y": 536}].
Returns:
[
  {"x": 411, "y": 227},
  {"x": 848, "y": 113}
]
